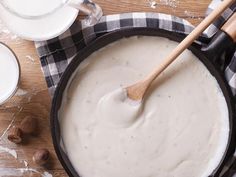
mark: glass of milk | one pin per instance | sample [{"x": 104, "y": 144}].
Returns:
[
  {"x": 9, "y": 73},
  {"x": 34, "y": 9}
]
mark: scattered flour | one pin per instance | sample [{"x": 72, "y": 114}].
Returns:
[
  {"x": 21, "y": 92},
  {"x": 5, "y": 31},
  {"x": 14, "y": 37},
  {"x": 25, "y": 170},
  {"x": 25, "y": 163},
  {"x": 192, "y": 15},
  {"x": 10, "y": 172},
  {"x": 189, "y": 14},
  {"x": 18, "y": 172},
  {"x": 153, "y": 4},
  {"x": 9, "y": 151},
  {"x": 30, "y": 58},
  {"x": 171, "y": 3},
  {"x": 46, "y": 174}
]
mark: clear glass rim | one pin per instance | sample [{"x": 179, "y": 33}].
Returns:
[
  {"x": 19, "y": 75},
  {"x": 63, "y": 3}
]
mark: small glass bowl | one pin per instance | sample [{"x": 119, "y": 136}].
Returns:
[{"x": 12, "y": 93}]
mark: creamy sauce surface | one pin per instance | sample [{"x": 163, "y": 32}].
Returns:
[
  {"x": 9, "y": 73},
  {"x": 181, "y": 129}
]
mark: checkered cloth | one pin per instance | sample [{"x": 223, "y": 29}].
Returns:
[{"x": 56, "y": 54}]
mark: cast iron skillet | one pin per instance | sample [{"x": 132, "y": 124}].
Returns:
[{"x": 207, "y": 56}]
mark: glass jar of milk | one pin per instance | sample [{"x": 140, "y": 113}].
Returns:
[
  {"x": 9, "y": 73},
  {"x": 35, "y": 9}
]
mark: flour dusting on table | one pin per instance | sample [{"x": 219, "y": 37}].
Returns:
[
  {"x": 171, "y": 3},
  {"x": 9, "y": 151},
  {"x": 152, "y": 4}
]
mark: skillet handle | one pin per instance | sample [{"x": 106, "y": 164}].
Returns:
[
  {"x": 230, "y": 27},
  {"x": 222, "y": 46}
]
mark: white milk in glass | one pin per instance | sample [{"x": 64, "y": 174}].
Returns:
[
  {"x": 33, "y": 7},
  {"x": 9, "y": 73}
]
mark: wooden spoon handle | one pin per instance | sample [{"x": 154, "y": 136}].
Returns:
[
  {"x": 230, "y": 27},
  {"x": 137, "y": 91},
  {"x": 192, "y": 37}
]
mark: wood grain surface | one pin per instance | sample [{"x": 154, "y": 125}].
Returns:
[{"x": 32, "y": 99}]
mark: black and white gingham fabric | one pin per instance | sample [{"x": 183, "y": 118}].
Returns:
[{"x": 56, "y": 54}]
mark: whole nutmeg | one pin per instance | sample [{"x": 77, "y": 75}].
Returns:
[
  {"x": 15, "y": 135},
  {"x": 29, "y": 125},
  {"x": 41, "y": 156}
]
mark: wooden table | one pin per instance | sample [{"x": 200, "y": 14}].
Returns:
[{"x": 33, "y": 99}]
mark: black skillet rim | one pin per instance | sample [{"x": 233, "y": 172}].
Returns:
[{"x": 116, "y": 35}]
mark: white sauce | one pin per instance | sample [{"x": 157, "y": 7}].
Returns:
[
  {"x": 180, "y": 130},
  {"x": 9, "y": 73},
  {"x": 124, "y": 113}
]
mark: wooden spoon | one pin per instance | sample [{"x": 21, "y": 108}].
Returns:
[{"x": 137, "y": 91}]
